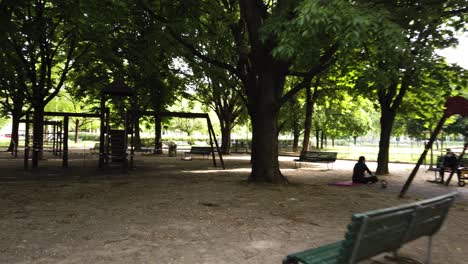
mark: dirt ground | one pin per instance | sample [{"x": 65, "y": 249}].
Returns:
[{"x": 168, "y": 210}]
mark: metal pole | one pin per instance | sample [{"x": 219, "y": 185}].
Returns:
[
  {"x": 65, "y": 142},
  {"x": 101, "y": 131},
  {"x": 210, "y": 128},
  {"x": 423, "y": 155},
  {"x": 26, "y": 144}
]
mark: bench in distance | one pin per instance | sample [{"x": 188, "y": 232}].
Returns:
[
  {"x": 198, "y": 150},
  {"x": 316, "y": 156}
]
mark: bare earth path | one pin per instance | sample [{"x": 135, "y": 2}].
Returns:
[{"x": 173, "y": 211}]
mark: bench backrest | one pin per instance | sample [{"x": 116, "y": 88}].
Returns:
[
  {"x": 318, "y": 155},
  {"x": 386, "y": 230},
  {"x": 463, "y": 161}
]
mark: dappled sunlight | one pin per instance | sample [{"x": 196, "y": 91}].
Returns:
[
  {"x": 228, "y": 170},
  {"x": 217, "y": 171}
]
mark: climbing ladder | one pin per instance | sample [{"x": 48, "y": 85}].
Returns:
[{"x": 118, "y": 146}]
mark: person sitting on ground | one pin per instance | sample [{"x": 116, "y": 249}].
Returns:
[
  {"x": 450, "y": 162},
  {"x": 359, "y": 172}
]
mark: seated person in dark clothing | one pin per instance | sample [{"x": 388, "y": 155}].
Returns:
[
  {"x": 359, "y": 172},
  {"x": 450, "y": 162}
]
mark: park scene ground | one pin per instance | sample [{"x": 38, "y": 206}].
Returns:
[{"x": 169, "y": 210}]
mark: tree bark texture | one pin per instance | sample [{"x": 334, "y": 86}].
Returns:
[
  {"x": 38, "y": 134},
  {"x": 226, "y": 139}
]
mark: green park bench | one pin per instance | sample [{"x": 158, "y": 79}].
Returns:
[
  {"x": 379, "y": 231},
  {"x": 462, "y": 167},
  {"x": 95, "y": 149},
  {"x": 198, "y": 150},
  {"x": 316, "y": 156}
]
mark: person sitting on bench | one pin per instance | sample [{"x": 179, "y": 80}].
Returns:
[
  {"x": 359, "y": 172},
  {"x": 449, "y": 161}
]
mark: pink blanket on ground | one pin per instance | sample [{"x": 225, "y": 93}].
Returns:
[{"x": 345, "y": 183}]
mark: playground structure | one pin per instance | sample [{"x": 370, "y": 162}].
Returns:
[
  {"x": 60, "y": 135},
  {"x": 114, "y": 141},
  {"x": 453, "y": 105}
]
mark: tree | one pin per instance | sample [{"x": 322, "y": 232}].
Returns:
[
  {"x": 129, "y": 46},
  {"x": 270, "y": 40},
  {"x": 396, "y": 67},
  {"x": 13, "y": 90},
  {"x": 218, "y": 90},
  {"x": 46, "y": 39}
]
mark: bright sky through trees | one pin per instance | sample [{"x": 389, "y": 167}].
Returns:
[{"x": 459, "y": 54}]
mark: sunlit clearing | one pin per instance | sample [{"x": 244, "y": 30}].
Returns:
[{"x": 228, "y": 170}]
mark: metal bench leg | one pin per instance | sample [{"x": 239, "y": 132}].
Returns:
[
  {"x": 295, "y": 165},
  {"x": 429, "y": 250}
]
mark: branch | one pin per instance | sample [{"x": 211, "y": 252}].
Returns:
[
  {"x": 18, "y": 52},
  {"x": 189, "y": 46},
  {"x": 205, "y": 58},
  {"x": 64, "y": 72},
  {"x": 454, "y": 12},
  {"x": 324, "y": 62}
]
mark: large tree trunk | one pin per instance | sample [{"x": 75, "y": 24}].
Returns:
[
  {"x": 264, "y": 111},
  {"x": 264, "y": 83},
  {"x": 14, "y": 131},
  {"x": 226, "y": 138},
  {"x": 390, "y": 100},
  {"x": 265, "y": 164},
  {"x": 386, "y": 125},
  {"x": 38, "y": 134}
]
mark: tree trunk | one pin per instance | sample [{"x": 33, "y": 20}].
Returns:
[
  {"x": 310, "y": 102},
  {"x": 38, "y": 134},
  {"x": 322, "y": 139},
  {"x": 14, "y": 131},
  {"x": 158, "y": 140},
  {"x": 137, "y": 134},
  {"x": 317, "y": 138},
  {"x": 226, "y": 139},
  {"x": 390, "y": 100},
  {"x": 264, "y": 111},
  {"x": 308, "y": 120},
  {"x": 296, "y": 134},
  {"x": 77, "y": 126},
  {"x": 386, "y": 125},
  {"x": 265, "y": 164}
]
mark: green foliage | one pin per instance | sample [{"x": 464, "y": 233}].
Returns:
[
  {"x": 460, "y": 126},
  {"x": 318, "y": 24}
]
